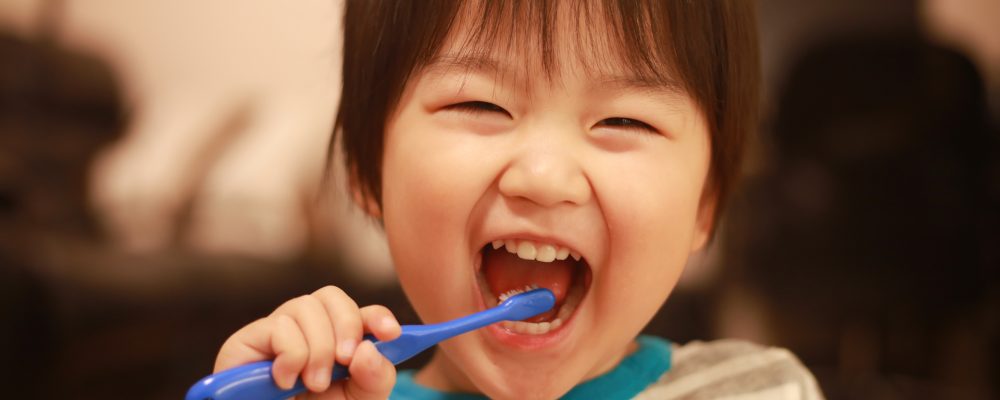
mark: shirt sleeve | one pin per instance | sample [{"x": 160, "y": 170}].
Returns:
[{"x": 734, "y": 370}]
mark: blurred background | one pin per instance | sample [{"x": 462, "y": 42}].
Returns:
[{"x": 162, "y": 184}]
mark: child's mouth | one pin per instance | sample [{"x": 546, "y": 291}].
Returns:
[{"x": 509, "y": 267}]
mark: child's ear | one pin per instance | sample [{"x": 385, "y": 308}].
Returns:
[{"x": 705, "y": 221}]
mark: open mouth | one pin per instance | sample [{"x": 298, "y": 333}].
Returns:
[{"x": 513, "y": 266}]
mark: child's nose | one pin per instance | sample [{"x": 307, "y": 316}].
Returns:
[{"x": 546, "y": 174}]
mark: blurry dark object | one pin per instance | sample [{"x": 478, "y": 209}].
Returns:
[
  {"x": 873, "y": 233},
  {"x": 81, "y": 319},
  {"x": 55, "y": 110}
]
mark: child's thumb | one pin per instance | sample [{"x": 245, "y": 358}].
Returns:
[{"x": 372, "y": 375}]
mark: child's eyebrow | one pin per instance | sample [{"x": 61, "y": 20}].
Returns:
[
  {"x": 665, "y": 86},
  {"x": 466, "y": 63},
  {"x": 445, "y": 63}
]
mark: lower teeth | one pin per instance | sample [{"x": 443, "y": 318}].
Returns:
[
  {"x": 530, "y": 328},
  {"x": 541, "y": 328},
  {"x": 536, "y": 328}
]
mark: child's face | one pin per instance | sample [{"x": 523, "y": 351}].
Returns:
[{"x": 491, "y": 150}]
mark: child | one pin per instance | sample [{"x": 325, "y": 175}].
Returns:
[{"x": 585, "y": 147}]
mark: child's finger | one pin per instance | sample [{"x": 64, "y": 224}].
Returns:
[
  {"x": 292, "y": 351},
  {"x": 311, "y": 317},
  {"x": 249, "y": 344},
  {"x": 346, "y": 320},
  {"x": 380, "y": 322},
  {"x": 372, "y": 375}
]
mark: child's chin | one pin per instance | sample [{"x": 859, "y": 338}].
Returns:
[
  {"x": 520, "y": 366},
  {"x": 520, "y": 383}
]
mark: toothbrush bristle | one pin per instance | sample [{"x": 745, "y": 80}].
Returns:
[{"x": 513, "y": 292}]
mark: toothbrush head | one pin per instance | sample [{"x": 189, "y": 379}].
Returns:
[{"x": 528, "y": 304}]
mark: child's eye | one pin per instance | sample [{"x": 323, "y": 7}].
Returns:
[
  {"x": 478, "y": 107},
  {"x": 626, "y": 123}
]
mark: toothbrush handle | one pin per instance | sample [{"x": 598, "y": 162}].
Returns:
[
  {"x": 250, "y": 382},
  {"x": 254, "y": 382}
]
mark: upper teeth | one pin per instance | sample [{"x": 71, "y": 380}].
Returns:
[{"x": 528, "y": 250}]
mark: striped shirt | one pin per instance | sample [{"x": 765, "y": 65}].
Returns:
[
  {"x": 733, "y": 370},
  {"x": 724, "y": 369}
]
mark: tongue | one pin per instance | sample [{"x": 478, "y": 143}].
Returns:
[{"x": 505, "y": 271}]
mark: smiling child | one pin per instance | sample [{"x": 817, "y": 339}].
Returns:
[{"x": 584, "y": 147}]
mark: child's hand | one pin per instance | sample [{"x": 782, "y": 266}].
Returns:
[{"x": 307, "y": 334}]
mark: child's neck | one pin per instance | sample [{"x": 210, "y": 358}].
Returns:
[{"x": 442, "y": 375}]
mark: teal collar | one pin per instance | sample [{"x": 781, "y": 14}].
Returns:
[{"x": 637, "y": 371}]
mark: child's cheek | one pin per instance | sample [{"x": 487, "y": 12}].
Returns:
[
  {"x": 432, "y": 178},
  {"x": 651, "y": 216}
]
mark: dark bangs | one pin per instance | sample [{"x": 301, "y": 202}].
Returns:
[{"x": 705, "y": 48}]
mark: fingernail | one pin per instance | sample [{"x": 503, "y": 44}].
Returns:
[
  {"x": 346, "y": 348},
  {"x": 284, "y": 383},
  {"x": 388, "y": 323},
  {"x": 322, "y": 377}
]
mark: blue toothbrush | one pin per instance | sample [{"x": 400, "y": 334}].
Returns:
[{"x": 253, "y": 381}]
